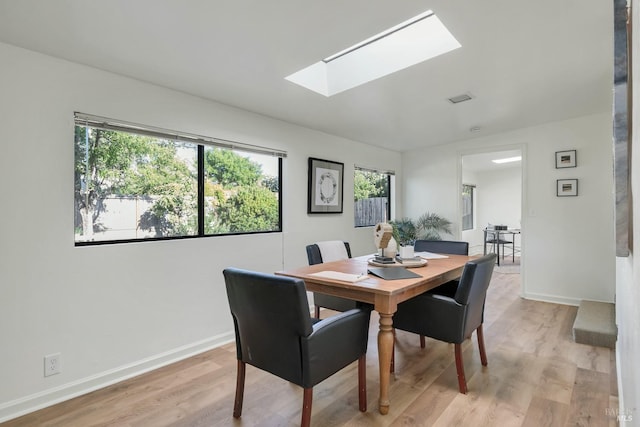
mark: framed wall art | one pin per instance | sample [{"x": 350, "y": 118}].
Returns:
[
  {"x": 567, "y": 187},
  {"x": 566, "y": 159},
  {"x": 326, "y": 181}
]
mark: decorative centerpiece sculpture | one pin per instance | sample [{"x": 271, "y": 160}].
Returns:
[{"x": 382, "y": 236}]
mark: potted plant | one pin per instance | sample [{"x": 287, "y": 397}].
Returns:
[
  {"x": 429, "y": 226},
  {"x": 405, "y": 233}
]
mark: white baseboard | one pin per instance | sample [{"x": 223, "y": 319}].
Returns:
[{"x": 16, "y": 408}]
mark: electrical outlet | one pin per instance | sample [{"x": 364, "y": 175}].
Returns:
[{"x": 52, "y": 364}]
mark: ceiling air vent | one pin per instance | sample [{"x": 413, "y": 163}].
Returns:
[{"x": 460, "y": 98}]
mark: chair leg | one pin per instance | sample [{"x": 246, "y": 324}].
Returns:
[
  {"x": 422, "y": 342},
  {"x": 317, "y": 311},
  {"x": 483, "y": 353},
  {"x": 237, "y": 405},
  {"x": 462, "y": 382},
  {"x": 362, "y": 382},
  {"x": 306, "y": 407}
]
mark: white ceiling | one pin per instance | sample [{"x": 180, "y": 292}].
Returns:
[{"x": 525, "y": 62}]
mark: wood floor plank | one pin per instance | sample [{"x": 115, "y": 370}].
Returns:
[
  {"x": 556, "y": 381},
  {"x": 590, "y": 399},
  {"x": 613, "y": 377},
  {"x": 546, "y": 413},
  {"x": 426, "y": 407},
  {"x": 536, "y": 376},
  {"x": 470, "y": 408}
]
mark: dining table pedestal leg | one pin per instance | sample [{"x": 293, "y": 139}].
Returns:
[{"x": 385, "y": 348}]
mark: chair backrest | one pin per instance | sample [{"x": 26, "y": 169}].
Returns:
[
  {"x": 490, "y": 233},
  {"x": 314, "y": 254},
  {"x": 442, "y": 247},
  {"x": 270, "y": 314},
  {"x": 472, "y": 289}
]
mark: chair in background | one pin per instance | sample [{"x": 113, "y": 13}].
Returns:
[
  {"x": 275, "y": 332},
  {"x": 452, "y": 319},
  {"x": 496, "y": 236},
  {"x": 328, "y": 251},
  {"x": 450, "y": 247}
]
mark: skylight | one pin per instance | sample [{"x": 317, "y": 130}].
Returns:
[
  {"x": 420, "y": 38},
  {"x": 508, "y": 160}
]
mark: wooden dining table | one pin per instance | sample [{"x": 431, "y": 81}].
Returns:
[{"x": 384, "y": 295}]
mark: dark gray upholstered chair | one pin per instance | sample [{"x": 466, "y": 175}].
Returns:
[
  {"x": 323, "y": 300},
  {"x": 275, "y": 332},
  {"x": 451, "y": 247},
  {"x": 452, "y": 319}
]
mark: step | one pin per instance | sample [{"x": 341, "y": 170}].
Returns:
[{"x": 595, "y": 324}]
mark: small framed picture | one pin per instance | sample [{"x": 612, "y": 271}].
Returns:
[
  {"x": 567, "y": 187},
  {"x": 566, "y": 159},
  {"x": 326, "y": 179}
]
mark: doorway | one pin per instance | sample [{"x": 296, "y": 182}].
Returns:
[{"x": 492, "y": 195}]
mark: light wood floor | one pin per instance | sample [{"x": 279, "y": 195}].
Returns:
[{"x": 537, "y": 376}]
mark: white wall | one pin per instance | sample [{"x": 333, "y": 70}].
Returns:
[
  {"x": 499, "y": 198},
  {"x": 567, "y": 246},
  {"x": 117, "y": 310}
]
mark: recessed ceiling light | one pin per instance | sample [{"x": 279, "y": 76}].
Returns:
[
  {"x": 508, "y": 160},
  {"x": 413, "y": 41}
]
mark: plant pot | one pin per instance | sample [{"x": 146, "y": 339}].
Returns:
[{"x": 406, "y": 252}]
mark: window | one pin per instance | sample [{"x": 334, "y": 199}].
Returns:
[
  {"x": 372, "y": 195},
  {"x": 134, "y": 183},
  {"x": 468, "y": 196}
]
